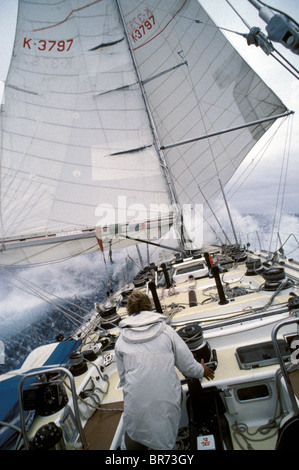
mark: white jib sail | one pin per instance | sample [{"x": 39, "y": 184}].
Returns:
[{"x": 197, "y": 84}]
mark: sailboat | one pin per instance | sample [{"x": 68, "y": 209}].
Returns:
[{"x": 122, "y": 122}]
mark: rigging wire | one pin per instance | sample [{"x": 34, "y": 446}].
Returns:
[
  {"x": 251, "y": 166},
  {"x": 203, "y": 120},
  {"x": 283, "y": 176},
  {"x": 282, "y": 184},
  {"x": 288, "y": 151},
  {"x": 192, "y": 86},
  {"x": 91, "y": 249},
  {"x": 295, "y": 71},
  {"x": 268, "y": 43},
  {"x": 37, "y": 291},
  {"x": 246, "y": 173},
  {"x": 239, "y": 15},
  {"x": 230, "y": 31},
  {"x": 289, "y": 63}
]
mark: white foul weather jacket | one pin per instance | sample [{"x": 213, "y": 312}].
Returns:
[{"x": 147, "y": 352}]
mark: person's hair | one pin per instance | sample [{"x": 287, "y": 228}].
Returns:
[{"x": 138, "y": 301}]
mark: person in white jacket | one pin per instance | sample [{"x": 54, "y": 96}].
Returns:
[{"x": 147, "y": 352}]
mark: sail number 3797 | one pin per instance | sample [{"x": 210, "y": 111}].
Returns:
[
  {"x": 140, "y": 32},
  {"x": 47, "y": 45}
]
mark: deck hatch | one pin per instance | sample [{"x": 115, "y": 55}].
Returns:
[{"x": 260, "y": 355}]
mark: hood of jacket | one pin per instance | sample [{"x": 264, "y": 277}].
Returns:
[{"x": 142, "y": 327}]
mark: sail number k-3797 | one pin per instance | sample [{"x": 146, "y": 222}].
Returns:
[{"x": 48, "y": 45}]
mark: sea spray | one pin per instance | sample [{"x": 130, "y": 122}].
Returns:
[
  {"x": 261, "y": 232},
  {"x": 37, "y": 302}
]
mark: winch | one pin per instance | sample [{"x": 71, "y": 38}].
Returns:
[
  {"x": 275, "y": 278},
  {"x": 78, "y": 365},
  {"x": 200, "y": 348},
  {"x": 109, "y": 317},
  {"x": 254, "y": 267},
  {"x": 48, "y": 437}
]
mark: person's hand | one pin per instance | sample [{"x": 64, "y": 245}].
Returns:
[{"x": 208, "y": 372}]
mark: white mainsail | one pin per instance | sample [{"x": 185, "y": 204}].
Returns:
[{"x": 77, "y": 137}]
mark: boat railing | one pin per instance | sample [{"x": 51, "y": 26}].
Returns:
[
  {"x": 266, "y": 242},
  {"x": 282, "y": 364},
  {"x": 60, "y": 370}
]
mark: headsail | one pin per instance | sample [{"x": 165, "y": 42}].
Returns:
[
  {"x": 77, "y": 143},
  {"x": 197, "y": 84}
]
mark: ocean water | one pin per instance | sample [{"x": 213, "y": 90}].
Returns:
[
  {"x": 39, "y": 303},
  {"x": 30, "y": 316}
]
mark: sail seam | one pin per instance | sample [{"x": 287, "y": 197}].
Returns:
[
  {"x": 49, "y": 178},
  {"x": 75, "y": 10}
]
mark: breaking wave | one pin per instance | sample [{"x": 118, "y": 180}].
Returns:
[{"x": 39, "y": 303}]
